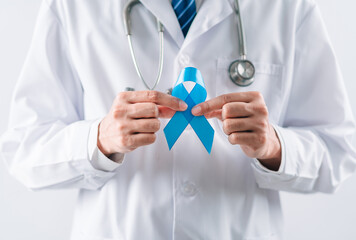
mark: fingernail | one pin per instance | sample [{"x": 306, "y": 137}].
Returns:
[
  {"x": 183, "y": 105},
  {"x": 196, "y": 110}
]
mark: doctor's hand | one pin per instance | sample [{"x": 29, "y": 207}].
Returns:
[
  {"x": 133, "y": 120},
  {"x": 245, "y": 121}
]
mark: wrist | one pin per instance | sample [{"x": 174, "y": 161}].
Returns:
[
  {"x": 100, "y": 144},
  {"x": 273, "y": 157}
]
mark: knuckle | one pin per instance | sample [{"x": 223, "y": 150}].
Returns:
[
  {"x": 130, "y": 141},
  {"x": 263, "y": 124},
  {"x": 261, "y": 109},
  {"x": 224, "y": 112},
  {"x": 264, "y": 111},
  {"x": 257, "y": 95},
  {"x": 153, "y": 96},
  {"x": 227, "y": 126},
  {"x": 125, "y": 141},
  {"x": 119, "y": 111},
  {"x": 155, "y": 110},
  {"x": 121, "y": 127},
  {"x": 246, "y": 108},
  {"x": 152, "y": 109},
  {"x": 158, "y": 125},
  {"x": 205, "y": 107},
  {"x": 254, "y": 147},
  {"x": 150, "y": 138},
  {"x": 262, "y": 139},
  {"x": 132, "y": 108},
  {"x": 155, "y": 125},
  {"x": 233, "y": 138},
  {"x": 224, "y": 115},
  {"x": 122, "y": 96},
  {"x": 116, "y": 114},
  {"x": 132, "y": 149},
  {"x": 226, "y": 98},
  {"x": 227, "y": 110}
]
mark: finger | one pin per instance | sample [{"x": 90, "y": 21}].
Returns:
[
  {"x": 143, "y": 110},
  {"x": 235, "y": 110},
  {"x": 218, "y": 102},
  {"x": 165, "y": 112},
  {"x": 232, "y": 125},
  {"x": 243, "y": 138},
  {"x": 156, "y": 97},
  {"x": 214, "y": 114},
  {"x": 142, "y": 139},
  {"x": 144, "y": 126}
]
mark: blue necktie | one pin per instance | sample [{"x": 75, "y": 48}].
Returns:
[{"x": 185, "y": 11}]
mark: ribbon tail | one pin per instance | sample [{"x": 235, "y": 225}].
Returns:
[
  {"x": 204, "y": 131},
  {"x": 175, "y": 128}
]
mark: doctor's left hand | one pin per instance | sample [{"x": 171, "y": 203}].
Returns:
[
  {"x": 133, "y": 120},
  {"x": 245, "y": 121}
]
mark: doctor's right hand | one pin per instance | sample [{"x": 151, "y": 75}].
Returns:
[{"x": 133, "y": 120}]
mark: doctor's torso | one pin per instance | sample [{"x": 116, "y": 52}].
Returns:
[{"x": 185, "y": 193}]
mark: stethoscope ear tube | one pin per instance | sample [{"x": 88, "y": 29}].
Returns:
[
  {"x": 127, "y": 13},
  {"x": 127, "y": 24}
]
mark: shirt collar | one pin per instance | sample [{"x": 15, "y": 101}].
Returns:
[{"x": 197, "y": 2}]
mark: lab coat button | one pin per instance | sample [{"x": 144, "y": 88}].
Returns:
[{"x": 189, "y": 189}]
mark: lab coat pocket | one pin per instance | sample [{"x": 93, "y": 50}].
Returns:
[{"x": 268, "y": 81}]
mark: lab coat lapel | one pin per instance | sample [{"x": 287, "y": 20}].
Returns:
[
  {"x": 210, "y": 14},
  {"x": 163, "y": 10}
]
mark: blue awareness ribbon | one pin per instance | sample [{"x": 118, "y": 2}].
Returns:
[{"x": 180, "y": 120}]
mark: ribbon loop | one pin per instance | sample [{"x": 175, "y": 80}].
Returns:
[{"x": 181, "y": 120}]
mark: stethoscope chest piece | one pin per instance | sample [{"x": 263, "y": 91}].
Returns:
[{"x": 242, "y": 72}]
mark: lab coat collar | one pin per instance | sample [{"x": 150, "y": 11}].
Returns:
[
  {"x": 163, "y": 10},
  {"x": 210, "y": 14}
]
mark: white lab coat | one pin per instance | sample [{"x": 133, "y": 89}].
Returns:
[{"x": 79, "y": 61}]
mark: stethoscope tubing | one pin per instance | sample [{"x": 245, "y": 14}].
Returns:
[
  {"x": 237, "y": 78},
  {"x": 241, "y": 31}
]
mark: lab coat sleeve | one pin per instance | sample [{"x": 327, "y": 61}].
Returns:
[
  {"x": 318, "y": 132},
  {"x": 47, "y": 144},
  {"x": 98, "y": 159}
]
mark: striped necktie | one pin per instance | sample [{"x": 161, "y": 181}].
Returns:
[{"x": 185, "y": 11}]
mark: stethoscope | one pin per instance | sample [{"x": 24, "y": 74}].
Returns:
[{"x": 241, "y": 71}]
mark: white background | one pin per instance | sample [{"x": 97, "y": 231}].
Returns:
[{"x": 47, "y": 215}]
